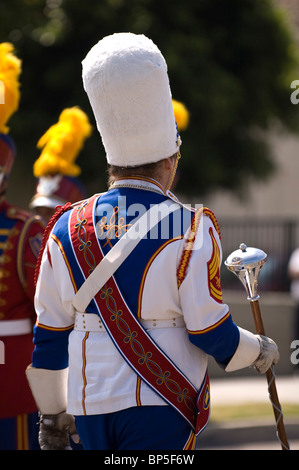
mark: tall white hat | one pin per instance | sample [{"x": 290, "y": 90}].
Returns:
[{"x": 125, "y": 77}]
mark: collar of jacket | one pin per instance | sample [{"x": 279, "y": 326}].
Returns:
[{"x": 139, "y": 182}]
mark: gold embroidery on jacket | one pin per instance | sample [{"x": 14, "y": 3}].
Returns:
[{"x": 112, "y": 229}]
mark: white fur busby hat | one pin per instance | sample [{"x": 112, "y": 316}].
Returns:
[{"x": 125, "y": 77}]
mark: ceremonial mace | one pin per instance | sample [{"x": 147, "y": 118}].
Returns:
[{"x": 246, "y": 264}]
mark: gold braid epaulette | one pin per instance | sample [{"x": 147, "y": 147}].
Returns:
[
  {"x": 212, "y": 216},
  {"x": 186, "y": 255}
]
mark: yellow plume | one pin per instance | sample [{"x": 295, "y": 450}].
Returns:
[
  {"x": 10, "y": 70},
  {"x": 61, "y": 144},
  {"x": 181, "y": 115}
]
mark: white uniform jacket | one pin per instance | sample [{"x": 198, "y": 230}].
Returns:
[{"x": 174, "y": 291}]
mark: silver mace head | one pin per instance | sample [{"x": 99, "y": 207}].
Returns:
[{"x": 246, "y": 264}]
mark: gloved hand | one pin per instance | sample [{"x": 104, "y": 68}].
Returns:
[
  {"x": 269, "y": 354},
  {"x": 54, "y": 431}
]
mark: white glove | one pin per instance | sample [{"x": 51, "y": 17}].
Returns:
[
  {"x": 49, "y": 389},
  {"x": 269, "y": 354},
  {"x": 54, "y": 431}
]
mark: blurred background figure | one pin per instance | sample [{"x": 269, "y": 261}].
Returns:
[
  {"x": 20, "y": 241},
  {"x": 181, "y": 115},
  {"x": 293, "y": 272},
  {"x": 55, "y": 168}
]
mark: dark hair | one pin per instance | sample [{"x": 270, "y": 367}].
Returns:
[{"x": 150, "y": 170}]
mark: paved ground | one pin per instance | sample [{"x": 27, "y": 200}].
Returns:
[{"x": 255, "y": 433}]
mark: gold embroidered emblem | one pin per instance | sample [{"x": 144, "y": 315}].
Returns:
[{"x": 114, "y": 229}]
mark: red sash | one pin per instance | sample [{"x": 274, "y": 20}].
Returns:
[{"x": 131, "y": 339}]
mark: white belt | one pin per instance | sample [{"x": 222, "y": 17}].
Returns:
[
  {"x": 92, "y": 322},
  {"x": 88, "y": 322},
  {"x": 16, "y": 327}
]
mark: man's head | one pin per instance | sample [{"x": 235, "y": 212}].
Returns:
[
  {"x": 162, "y": 171},
  {"x": 125, "y": 77}
]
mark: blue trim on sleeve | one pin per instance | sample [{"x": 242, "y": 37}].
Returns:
[
  {"x": 51, "y": 348},
  {"x": 220, "y": 342}
]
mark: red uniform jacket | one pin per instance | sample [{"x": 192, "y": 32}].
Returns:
[{"x": 20, "y": 241}]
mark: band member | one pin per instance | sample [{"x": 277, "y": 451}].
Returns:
[
  {"x": 128, "y": 297},
  {"x": 20, "y": 241},
  {"x": 55, "y": 169}
]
